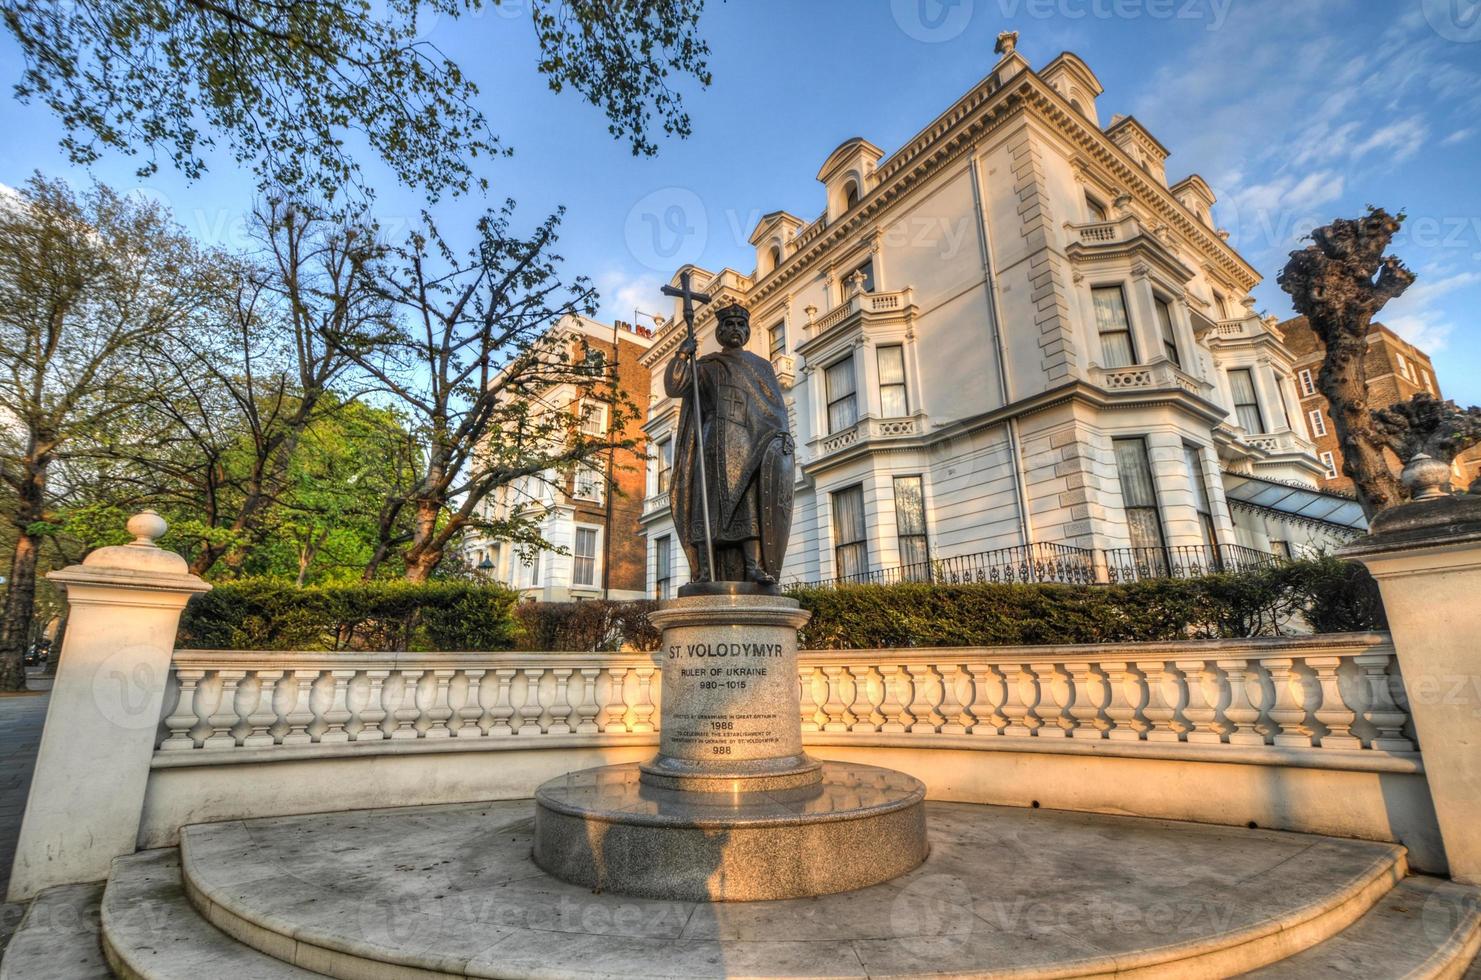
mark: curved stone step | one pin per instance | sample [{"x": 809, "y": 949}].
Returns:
[
  {"x": 58, "y": 938},
  {"x": 152, "y": 932},
  {"x": 451, "y": 891},
  {"x": 1425, "y": 929}
]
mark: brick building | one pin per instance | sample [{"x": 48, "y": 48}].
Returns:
[
  {"x": 1397, "y": 371},
  {"x": 592, "y": 512}
]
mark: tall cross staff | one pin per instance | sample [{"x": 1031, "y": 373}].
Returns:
[{"x": 689, "y": 296}]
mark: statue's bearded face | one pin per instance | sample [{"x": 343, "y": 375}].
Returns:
[{"x": 733, "y": 331}]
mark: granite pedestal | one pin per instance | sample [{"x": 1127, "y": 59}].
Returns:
[{"x": 732, "y": 808}]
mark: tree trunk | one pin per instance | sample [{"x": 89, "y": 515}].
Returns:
[
  {"x": 1344, "y": 381},
  {"x": 425, "y": 553},
  {"x": 20, "y": 597}
]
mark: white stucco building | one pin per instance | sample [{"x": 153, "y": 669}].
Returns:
[{"x": 1014, "y": 332}]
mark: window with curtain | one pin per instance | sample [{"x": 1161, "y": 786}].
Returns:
[
  {"x": 593, "y": 418},
  {"x": 665, "y": 454},
  {"x": 1285, "y": 408},
  {"x": 776, "y": 339},
  {"x": 1329, "y": 463},
  {"x": 893, "y": 401},
  {"x": 850, "y": 538},
  {"x": 1116, "y": 347},
  {"x": 663, "y": 569},
  {"x": 910, "y": 526},
  {"x": 589, "y": 483},
  {"x": 585, "y": 553},
  {"x": 535, "y": 570},
  {"x": 843, "y": 403},
  {"x": 1246, "y": 403},
  {"x": 1202, "y": 503},
  {"x": 1169, "y": 336},
  {"x": 1139, "y": 498}
]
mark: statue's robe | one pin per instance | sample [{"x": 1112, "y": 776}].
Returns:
[{"x": 748, "y": 459}]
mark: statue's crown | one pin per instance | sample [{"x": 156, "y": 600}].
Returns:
[{"x": 732, "y": 309}]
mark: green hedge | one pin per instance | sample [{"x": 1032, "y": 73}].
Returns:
[
  {"x": 1325, "y": 594},
  {"x": 272, "y": 615},
  {"x": 588, "y": 625}
]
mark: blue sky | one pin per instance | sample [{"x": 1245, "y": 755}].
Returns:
[{"x": 1295, "y": 111}]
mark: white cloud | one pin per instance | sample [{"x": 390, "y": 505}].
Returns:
[
  {"x": 622, "y": 293},
  {"x": 1459, "y": 136},
  {"x": 1398, "y": 140},
  {"x": 1416, "y": 316}
]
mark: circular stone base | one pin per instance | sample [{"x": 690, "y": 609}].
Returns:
[
  {"x": 741, "y": 776},
  {"x": 605, "y": 829}
]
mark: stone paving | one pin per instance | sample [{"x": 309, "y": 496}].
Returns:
[{"x": 21, "y": 717}]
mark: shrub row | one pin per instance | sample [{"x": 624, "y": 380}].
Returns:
[
  {"x": 1324, "y": 595},
  {"x": 255, "y": 614}
]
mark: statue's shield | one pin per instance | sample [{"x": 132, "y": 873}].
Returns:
[{"x": 776, "y": 474}]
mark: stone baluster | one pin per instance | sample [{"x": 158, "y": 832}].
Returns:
[
  {"x": 560, "y": 704},
  {"x": 526, "y": 720},
  {"x": 337, "y": 711},
  {"x": 810, "y": 707},
  {"x": 470, "y": 706},
  {"x": 1055, "y": 697},
  {"x": 1083, "y": 705},
  {"x": 373, "y": 714},
  {"x": 866, "y": 718},
  {"x": 439, "y": 710},
  {"x": 955, "y": 720},
  {"x": 835, "y": 708},
  {"x": 1124, "y": 709},
  {"x": 1161, "y": 711},
  {"x": 1378, "y": 708},
  {"x": 1333, "y": 713},
  {"x": 297, "y": 708},
  {"x": 614, "y": 715},
  {"x": 357, "y": 693},
  {"x": 407, "y": 712},
  {"x": 988, "y": 696},
  {"x": 1202, "y": 711},
  {"x": 643, "y": 706},
  {"x": 502, "y": 710},
  {"x": 393, "y": 692},
  {"x": 890, "y": 707},
  {"x": 261, "y": 717},
  {"x": 1289, "y": 711},
  {"x": 182, "y": 721},
  {"x": 1242, "y": 714},
  {"x": 223, "y": 718},
  {"x": 1021, "y": 690},
  {"x": 925, "y": 717},
  {"x": 586, "y": 711}
]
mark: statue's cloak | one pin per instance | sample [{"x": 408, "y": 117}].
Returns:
[{"x": 748, "y": 457}]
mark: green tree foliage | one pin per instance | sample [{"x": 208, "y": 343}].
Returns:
[
  {"x": 291, "y": 87},
  {"x": 87, "y": 282}
]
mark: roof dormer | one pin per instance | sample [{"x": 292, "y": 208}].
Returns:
[
  {"x": 848, "y": 174},
  {"x": 772, "y": 238},
  {"x": 1195, "y": 195},
  {"x": 1073, "y": 79},
  {"x": 1140, "y": 145}
]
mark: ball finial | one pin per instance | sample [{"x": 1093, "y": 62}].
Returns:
[{"x": 147, "y": 527}]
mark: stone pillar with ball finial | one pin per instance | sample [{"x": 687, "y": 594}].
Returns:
[
  {"x": 1426, "y": 556},
  {"x": 87, "y": 794}
]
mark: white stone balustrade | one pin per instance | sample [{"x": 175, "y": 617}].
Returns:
[{"x": 1317, "y": 696}]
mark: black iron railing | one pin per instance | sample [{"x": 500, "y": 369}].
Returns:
[{"x": 1064, "y": 564}]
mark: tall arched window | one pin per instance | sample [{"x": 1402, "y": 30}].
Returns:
[
  {"x": 776, "y": 256},
  {"x": 850, "y": 195}
]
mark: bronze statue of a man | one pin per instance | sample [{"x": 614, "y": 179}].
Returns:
[{"x": 748, "y": 458}]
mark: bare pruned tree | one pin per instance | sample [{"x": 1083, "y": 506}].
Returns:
[
  {"x": 1339, "y": 283},
  {"x": 491, "y": 382}
]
